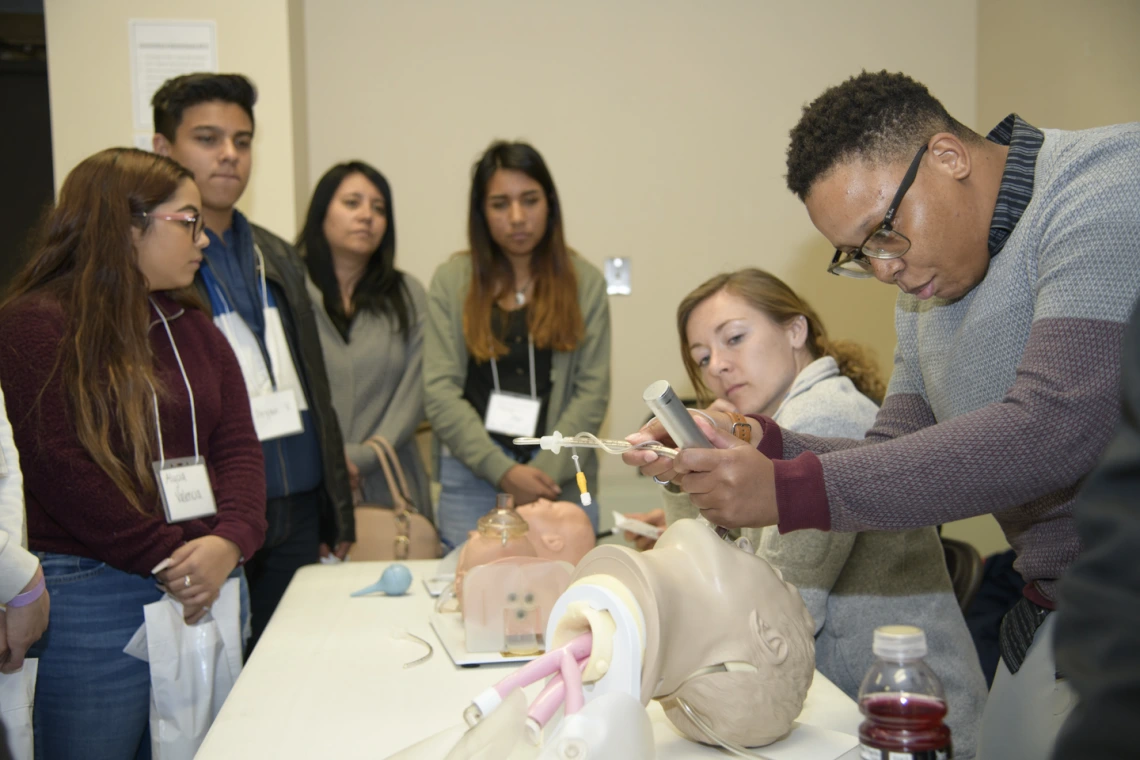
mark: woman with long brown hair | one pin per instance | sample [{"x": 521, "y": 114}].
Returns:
[
  {"x": 517, "y": 344},
  {"x": 135, "y": 437}
]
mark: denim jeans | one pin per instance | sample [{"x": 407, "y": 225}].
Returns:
[
  {"x": 92, "y": 700},
  {"x": 465, "y": 497}
]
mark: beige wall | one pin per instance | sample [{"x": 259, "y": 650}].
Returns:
[
  {"x": 664, "y": 124},
  {"x": 89, "y": 77},
  {"x": 1069, "y": 66}
]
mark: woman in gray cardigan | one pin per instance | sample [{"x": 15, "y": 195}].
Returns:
[
  {"x": 752, "y": 343},
  {"x": 370, "y": 316}
]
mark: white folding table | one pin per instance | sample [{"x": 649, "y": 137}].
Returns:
[{"x": 327, "y": 680}]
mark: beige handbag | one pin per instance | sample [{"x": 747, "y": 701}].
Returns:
[{"x": 397, "y": 532}]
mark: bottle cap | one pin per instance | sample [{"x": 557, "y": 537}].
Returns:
[{"x": 899, "y": 642}]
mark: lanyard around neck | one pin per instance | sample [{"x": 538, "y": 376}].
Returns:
[
  {"x": 219, "y": 289},
  {"x": 533, "y": 383},
  {"x": 189, "y": 390}
]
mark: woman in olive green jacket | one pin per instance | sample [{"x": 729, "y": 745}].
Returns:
[{"x": 518, "y": 324}]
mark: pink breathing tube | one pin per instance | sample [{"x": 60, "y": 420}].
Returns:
[
  {"x": 564, "y": 686},
  {"x": 566, "y": 665}
]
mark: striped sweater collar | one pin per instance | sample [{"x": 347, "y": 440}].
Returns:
[{"x": 1024, "y": 141}]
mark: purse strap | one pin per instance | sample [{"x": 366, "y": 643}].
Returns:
[
  {"x": 401, "y": 507},
  {"x": 398, "y": 468},
  {"x": 400, "y": 503}
]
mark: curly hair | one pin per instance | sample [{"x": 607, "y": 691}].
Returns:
[
  {"x": 770, "y": 295},
  {"x": 881, "y": 117}
]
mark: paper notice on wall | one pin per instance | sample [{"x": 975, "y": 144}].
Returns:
[{"x": 161, "y": 49}]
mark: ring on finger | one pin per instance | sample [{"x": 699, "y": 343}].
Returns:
[{"x": 187, "y": 583}]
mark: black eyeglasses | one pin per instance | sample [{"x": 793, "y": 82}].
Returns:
[
  {"x": 883, "y": 242},
  {"x": 196, "y": 223}
]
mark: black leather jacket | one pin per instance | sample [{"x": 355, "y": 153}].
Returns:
[{"x": 285, "y": 274}]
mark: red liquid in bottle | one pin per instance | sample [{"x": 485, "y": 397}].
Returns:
[{"x": 901, "y": 722}]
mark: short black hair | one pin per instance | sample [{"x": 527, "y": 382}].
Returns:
[
  {"x": 880, "y": 117},
  {"x": 180, "y": 93}
]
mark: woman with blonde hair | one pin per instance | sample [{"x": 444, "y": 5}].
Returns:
[
  {"x": 751, "y": 345},
  {"x": 517, "y": 344}
]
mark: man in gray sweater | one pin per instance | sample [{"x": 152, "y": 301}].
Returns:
[{"x": 1019, "y": 260}]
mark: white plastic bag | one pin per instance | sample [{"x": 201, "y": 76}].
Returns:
[
  {"x": 192, "y": 669},
  {"x": 17, "y": 694}
]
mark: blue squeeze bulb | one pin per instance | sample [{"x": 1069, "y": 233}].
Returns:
[{"x": 394, "y": 581}]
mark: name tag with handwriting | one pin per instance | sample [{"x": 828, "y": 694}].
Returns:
[
  {"x": 184, "y": 485},
  {"x": 275, "y": 415}
]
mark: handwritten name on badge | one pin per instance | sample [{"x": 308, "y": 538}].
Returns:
[
  {"x": 185, "y": 489},
  {"x": 275, "y": 415}
]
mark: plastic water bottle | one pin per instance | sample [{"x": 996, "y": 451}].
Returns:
[{"x": 902, "y": 700}]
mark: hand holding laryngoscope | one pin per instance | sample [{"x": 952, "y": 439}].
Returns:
[{"x": 674, "y": 417}]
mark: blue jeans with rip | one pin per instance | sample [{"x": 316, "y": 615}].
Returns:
[{"x": 92, "y": 700}]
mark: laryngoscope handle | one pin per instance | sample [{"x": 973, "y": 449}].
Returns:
[
  {"x": 675, "y": 418},
  {"x": 679, "y": 424}
]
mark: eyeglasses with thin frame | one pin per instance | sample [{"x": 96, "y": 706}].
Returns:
[
  {"x": 196, "y": 223},
  {"x": 883, "y": 242}
]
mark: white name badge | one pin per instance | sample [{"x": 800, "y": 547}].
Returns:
[
  {"x": 275, "y": 415},
  {"x": 184, "y": 485},
  {"x": 512, "y": 414}
]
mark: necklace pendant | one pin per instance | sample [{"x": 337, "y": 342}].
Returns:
[{"x": 520, "y": 297}]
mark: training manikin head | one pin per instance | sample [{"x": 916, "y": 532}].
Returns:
[
  {"x": 558, "y": 530},
  {"x": 709, "y": 604}
]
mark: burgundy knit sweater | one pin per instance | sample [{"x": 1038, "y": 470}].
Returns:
[{"x": 72, "y": 506}]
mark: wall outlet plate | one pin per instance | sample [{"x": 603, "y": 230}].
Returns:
[{"x": 618, "y": 277}]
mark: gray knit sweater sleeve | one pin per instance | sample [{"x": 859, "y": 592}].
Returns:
[{"x": 1020, "y": 374}]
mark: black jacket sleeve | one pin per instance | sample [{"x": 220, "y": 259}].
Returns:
[{"x": 284, "y": 268}]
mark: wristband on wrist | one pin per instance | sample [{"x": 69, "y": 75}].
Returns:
[
  {"x": 741, "y": 428},
  {"x": 26, "y": 598}
]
